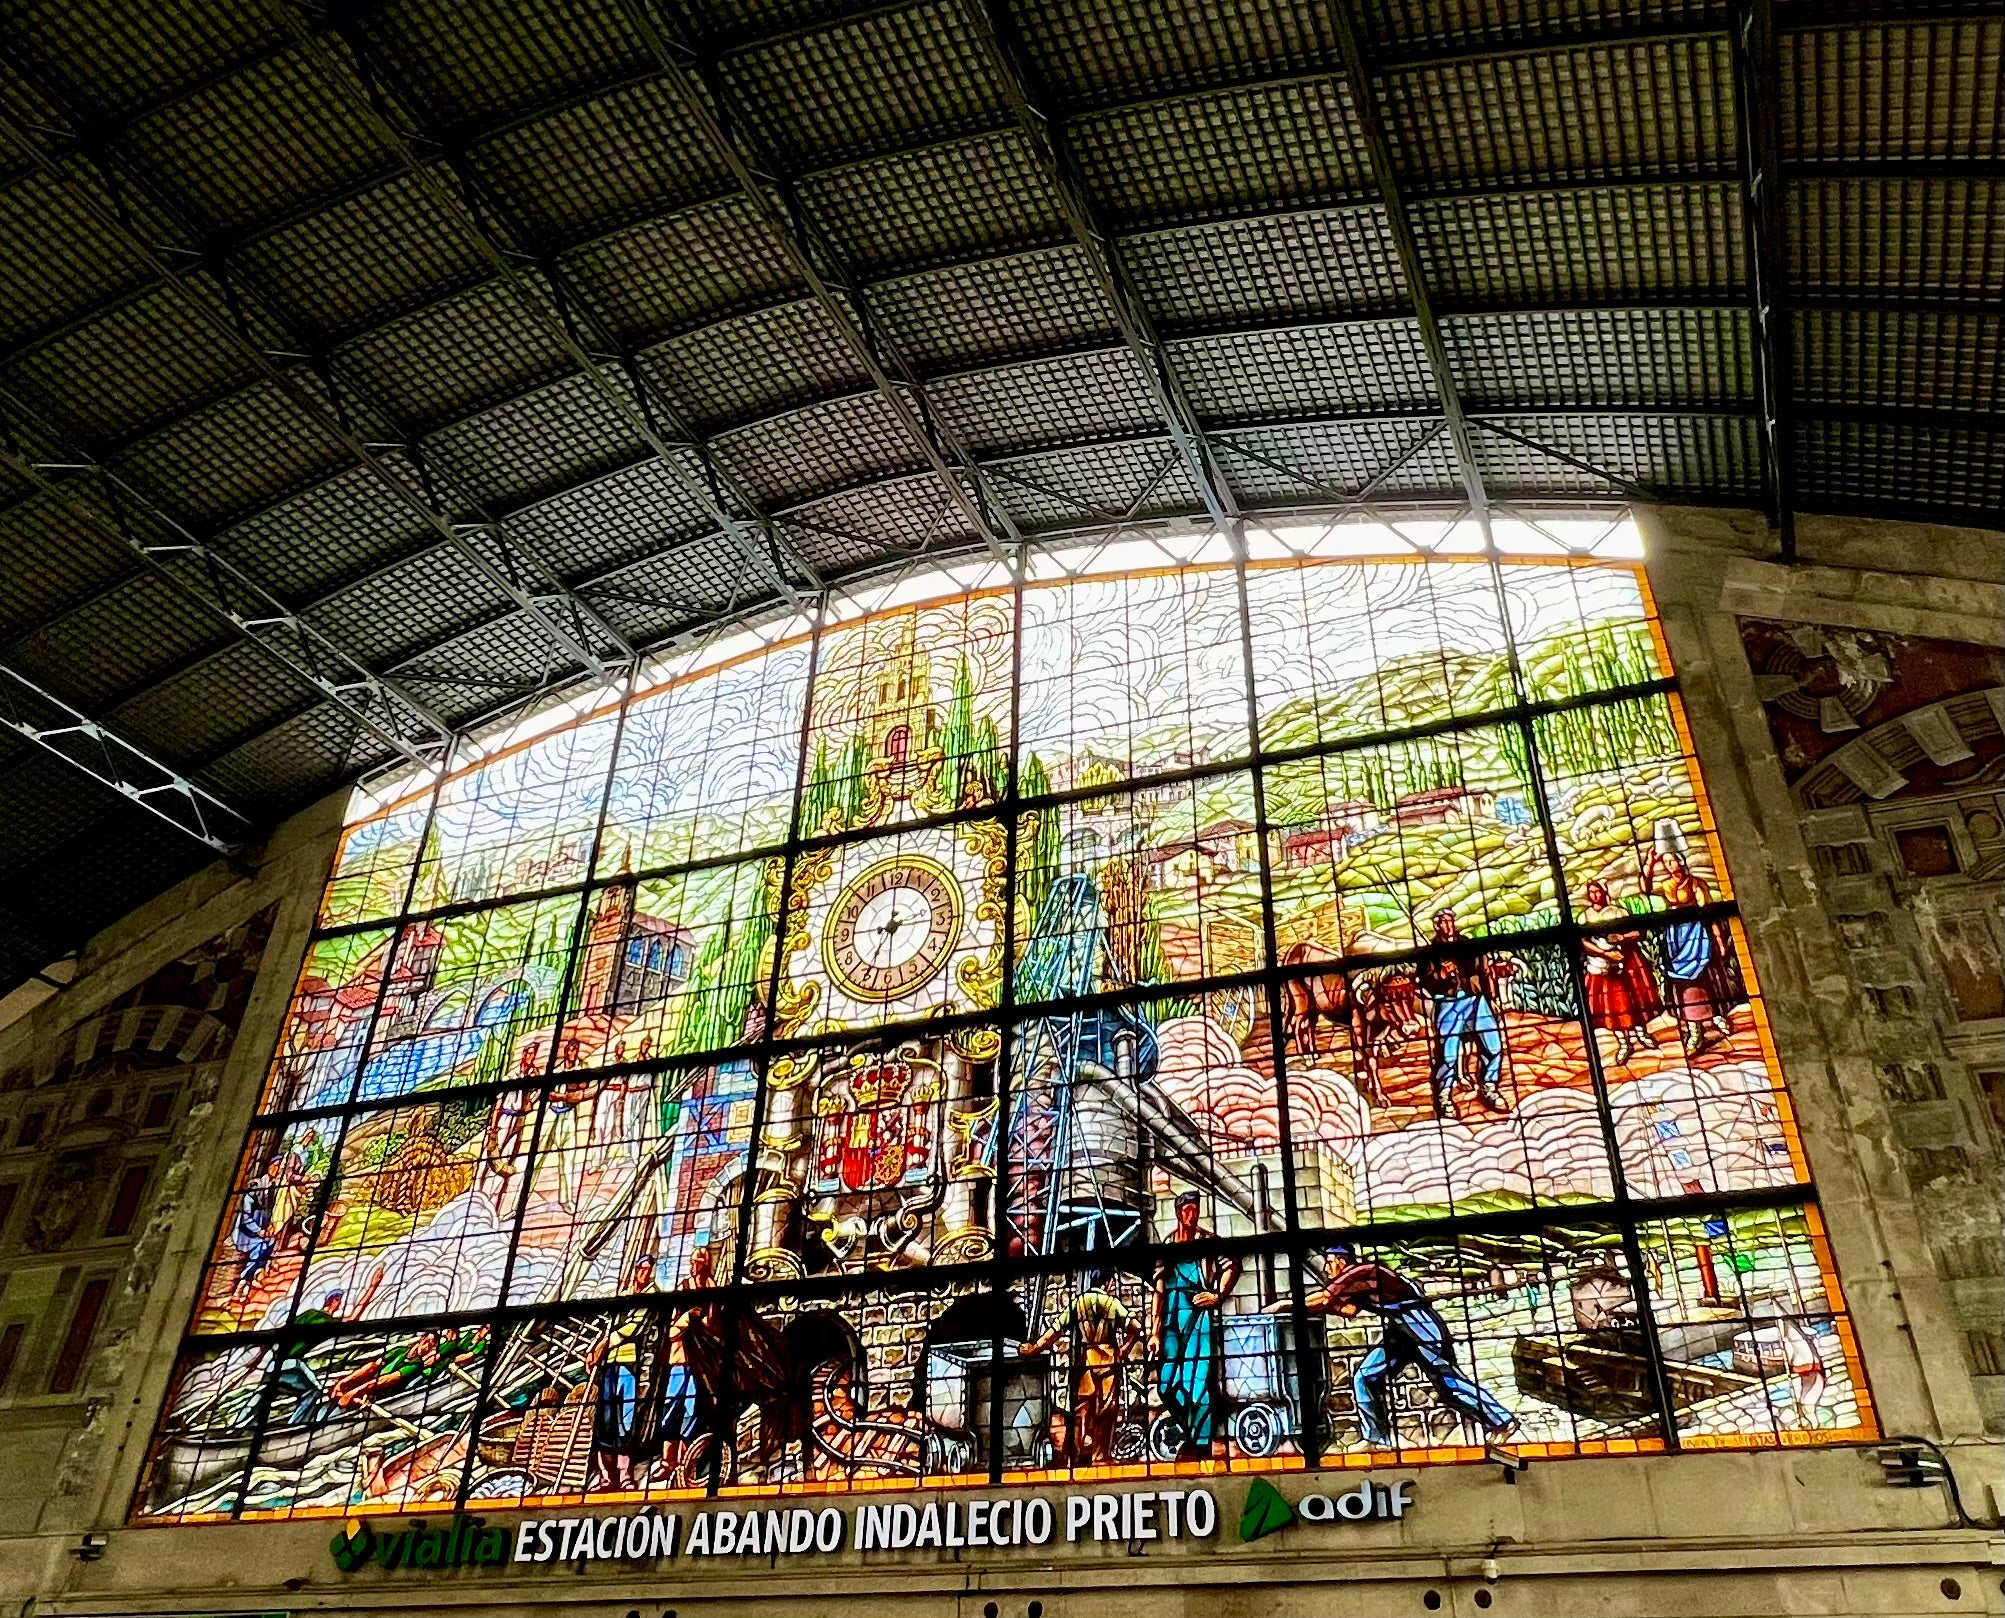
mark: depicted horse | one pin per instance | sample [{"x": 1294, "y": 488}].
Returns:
[
  {"x": 803, "y": 1381},
  {"x": 1377, "y": 1006}
]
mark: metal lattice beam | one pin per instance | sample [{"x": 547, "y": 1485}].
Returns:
[
  {"x": 1758, "y": 98},
  {"x": 572, "y": 625},
  {"x": 691, "y": 72},
  {"x": 1399, "y": 224},
  {"x": 204, "y": 576},
  {"x": 89, "y": 745},
  {"x": 1043, "y": 125}
]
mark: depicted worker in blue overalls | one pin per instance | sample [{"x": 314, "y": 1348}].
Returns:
[
  {"x": 1185, "y": 1338},
  {"x": 1465, "y": 992},
  {"x": 1414, "y": 1335}
]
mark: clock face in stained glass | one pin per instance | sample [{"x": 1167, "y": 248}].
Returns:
[{"x": 892, "y": 928}]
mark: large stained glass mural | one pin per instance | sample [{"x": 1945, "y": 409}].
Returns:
[{"x": 1282, "y": 1012}]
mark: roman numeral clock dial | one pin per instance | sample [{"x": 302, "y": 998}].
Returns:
[{"x": 892, "y": 928}]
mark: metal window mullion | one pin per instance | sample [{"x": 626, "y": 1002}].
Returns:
[
  {"x": 1621, "y": 1206},
  {"x": 350, "y": 1105},
  {"x": 573, "y": 974}
]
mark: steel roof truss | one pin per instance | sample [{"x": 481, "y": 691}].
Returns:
[
  {"x": 1043, "y": 125},
  {"x": 537, "y": 282},
  {"x": 171, "y": 263},
  {"x": 1399, "y": 223},
  {"x": 89, "y": 745},
  {"x": 212, "y": 581},
  {"x": 1757, "y": 96},
  {"x": 692, "y": 72}
]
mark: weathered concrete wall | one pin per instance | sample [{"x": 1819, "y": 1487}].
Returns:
[{"x": 1762, "y": 1532}]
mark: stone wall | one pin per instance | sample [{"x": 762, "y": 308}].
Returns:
[{"x": 1817, "y": 692}]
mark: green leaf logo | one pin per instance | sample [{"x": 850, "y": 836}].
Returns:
[
  {"x": 1264, "y": 1512},
  {"x": 353, "y": 1546}
]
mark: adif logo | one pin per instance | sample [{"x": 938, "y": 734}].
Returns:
[{"x": 1266, "y": 1511}]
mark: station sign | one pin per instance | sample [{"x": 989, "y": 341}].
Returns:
[{"x": 651, "y": 1536}]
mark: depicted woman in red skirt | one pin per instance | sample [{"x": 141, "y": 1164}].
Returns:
[{"x": 1622, "y": 994}]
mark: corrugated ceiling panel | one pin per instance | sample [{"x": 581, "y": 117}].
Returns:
[
  {"x": 289, "y": 129},
  {"x": 1929, "y": 237},
  {"x": 1314, "y": 461},
  {"x": 538, "y": 444},
  {"x": 52, "y": 556},
  {"x": 610, "y": 520},
  {"x": 1223, "y": 153},
  {"x": 581, "y": 171},
  {"x": 1892, "y": 88},
  {"x": 1915, "y": 360},
  {"x": 1280, "y": 267},
  {"x": 114, "y": 59},
  {"x": 1123, "y": 48},
  {"x": 884, "y": 80},
  {"x": 42, "y": 802},
  {"x": 341, "y": 529},
  {"x": 212, "y": 707},
  {"x": 364, "y": 260},
  {"x": 794, "y": 457},
  {"x": 1089, "y": 483},
  {"x": 853, "y": 530},
  {"x": 113, "y": 643},
  {"x": 466, "y": 67},
  {"x": 1903, "y": 462},
  {"x": 508, "y": 650},
  {"x": 452, "y": 358},
  {"x": 108, "y": 850},
  {"x": 131, "y": 368},
  {"x": 297, "y": 761},
  {"x": 671, "y": 273},
  {"x": 1642, "y": 242},
  {"x": 408, "y": 605},
  {"x": 1600, "y": 112},
  {"x": 78, "y": 264},
  {"x": 1046, "y": 402},
  {"x": 1603, "y": 356},
  {"x": 754, "y": 365},
  {"x": 962, "y": 314},
  {"x": 701, "y": 580},
  {"x": 955, "y": 200},
  {"x": 1408, "y": 25},
  {"x": 241, "y": 454},
  {"x": 1348, "y": 368}
]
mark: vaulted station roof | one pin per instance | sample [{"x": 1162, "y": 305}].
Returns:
[{"x": 365, "y": 372}]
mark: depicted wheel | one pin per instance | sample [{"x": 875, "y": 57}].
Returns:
[
  {"x": 1257, "y": 1430},
  {"x": 1131, "y": 1442},
  {"x": 693, "y": 1466},
  {"x": 1166, "y": 1438}
]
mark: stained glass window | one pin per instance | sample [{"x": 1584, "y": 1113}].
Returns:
[{"x": 1278, "y": 1013}]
